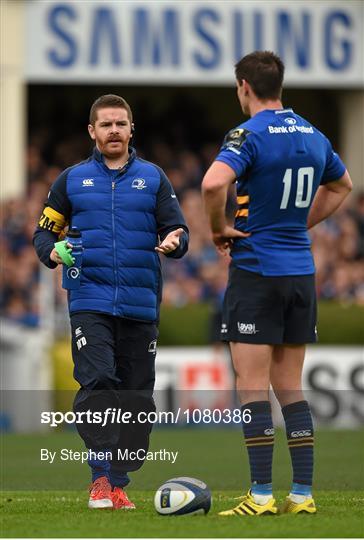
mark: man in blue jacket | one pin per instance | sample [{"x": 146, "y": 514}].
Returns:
[{"x": 128, "y": 214}]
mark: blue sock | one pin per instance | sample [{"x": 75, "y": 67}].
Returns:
[
  {"x": 259, "y": 439},
  {"x": 301, "y": 489},
  {"x": 118, "y": 479},
  {"x": 99, "y": 467},
  {"x": 299, "y": 430}
]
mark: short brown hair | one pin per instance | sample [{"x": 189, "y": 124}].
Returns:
[
  {"x": 109, "y": 100},
  {"x": 264, "y": 71}
]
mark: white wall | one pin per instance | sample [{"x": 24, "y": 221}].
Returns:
[{"x": 12, "y": 99}]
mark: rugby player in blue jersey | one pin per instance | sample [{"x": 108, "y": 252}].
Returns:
[{"x": 288, "y": 179}]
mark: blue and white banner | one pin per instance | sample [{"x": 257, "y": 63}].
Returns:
[{"x": 192, "y": 42}]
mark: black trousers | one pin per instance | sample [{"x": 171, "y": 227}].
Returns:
[{"x": 114, "y": 363}]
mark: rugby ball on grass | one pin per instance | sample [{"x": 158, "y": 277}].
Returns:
[{"x": 182, "y": 496}]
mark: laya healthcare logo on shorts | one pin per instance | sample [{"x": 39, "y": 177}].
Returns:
[
  {"x": 247, "y": 328},
  {"x": 138, "y": 183}
]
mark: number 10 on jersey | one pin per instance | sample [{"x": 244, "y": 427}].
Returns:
[{"x": 304, "y": 184}]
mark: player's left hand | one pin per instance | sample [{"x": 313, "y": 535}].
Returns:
[
  {"x": 171, "y": 242},
  {"x": 224, "y": 240}
]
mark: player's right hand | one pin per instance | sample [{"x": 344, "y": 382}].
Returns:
[
  {"x": 224, "y": 239},
  {"x": 55, "y": 257}
]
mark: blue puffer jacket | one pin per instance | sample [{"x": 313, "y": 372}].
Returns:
[{"x": 120, "y": 215}]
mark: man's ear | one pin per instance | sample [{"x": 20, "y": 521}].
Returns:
[
  {"x": 132, "y": 129},
  {"x": 246, "y": 87},
  {"x": 91, "y": 131}
]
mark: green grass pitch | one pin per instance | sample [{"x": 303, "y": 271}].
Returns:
[{"x": 43, "y": 500}]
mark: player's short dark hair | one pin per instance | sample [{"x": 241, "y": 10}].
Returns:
[
  {"x": 109, "y": 100},
  {"x": 264, "y": 71}
]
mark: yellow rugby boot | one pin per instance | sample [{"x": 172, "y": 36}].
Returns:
[
  {"x": 290, "y": 507},
  {"x": 248, "y": 507}
]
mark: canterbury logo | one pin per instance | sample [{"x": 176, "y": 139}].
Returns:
[
  {"x": 88, "y": 182},
  {"x": 303, "y": 433},
  {"x": 269, "y": 432}
]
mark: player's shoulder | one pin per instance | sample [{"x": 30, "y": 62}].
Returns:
[
  {"x": 237, "y": 136},
  {"x": 81, "y": 167},
  {"x": 259, "y": 122},
  {"x": 151, "y": 169},
  {"x": 306, "y": 127},
  {"x": 294, "y": 119},
  {"x": 78, "y": 168},
  {"x": 63, "y": 176},
  {"x": 245, "y": 131},
  {"x": 60, "y": 185},
  {"x": 253, "y": 125},
  {"x": 148, "y": 165}
]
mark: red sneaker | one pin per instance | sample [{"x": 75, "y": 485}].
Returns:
[
  {"x": 120, "y": 499},
  {"x": 100, "y": 494}
]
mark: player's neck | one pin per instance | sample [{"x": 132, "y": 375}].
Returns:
[
  {"x": 259, "y": 106},
  {"x": 116, "y": 163}
]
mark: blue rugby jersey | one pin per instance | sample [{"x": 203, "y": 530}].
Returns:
[{"x": 279, "y": 160}]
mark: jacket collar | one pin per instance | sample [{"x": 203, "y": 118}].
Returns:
[{"x": 98, "y": 156}]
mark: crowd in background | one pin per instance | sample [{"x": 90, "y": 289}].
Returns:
[{"x": 338, "y": 243}]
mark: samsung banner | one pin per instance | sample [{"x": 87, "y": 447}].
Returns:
[{"x": 192, "y": 42}]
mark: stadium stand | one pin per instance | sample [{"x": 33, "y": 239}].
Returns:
[{"x": 338, "y": 244}]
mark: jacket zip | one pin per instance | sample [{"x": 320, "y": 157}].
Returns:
[{"x": 114, "y": 247}]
